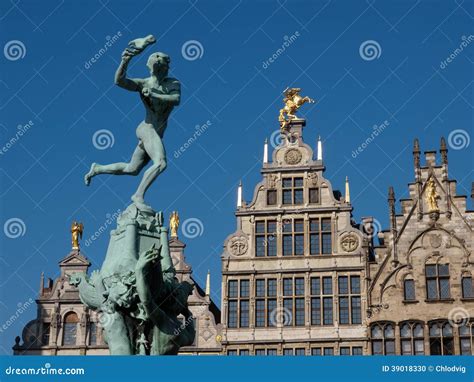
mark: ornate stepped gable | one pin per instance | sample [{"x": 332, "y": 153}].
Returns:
[
  {"x": 423, "y": 268},
  {"x": 296, "y": 230}
]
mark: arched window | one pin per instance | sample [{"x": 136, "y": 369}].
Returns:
[
  {"x": 466, "y": 338},
  {"x": 70, "y": 329},
  {"x": 412, "y": 338},
  {"x": 383, "y": 339},
  {"x": 441, "y": 338}
]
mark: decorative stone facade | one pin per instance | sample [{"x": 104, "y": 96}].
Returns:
[
  {"x": 421, "y": 293},
  {"x": 293, "y": 272},
  {"x": 64, "y": 326}
]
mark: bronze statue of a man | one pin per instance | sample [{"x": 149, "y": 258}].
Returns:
[{"x": 159, "y": 94}]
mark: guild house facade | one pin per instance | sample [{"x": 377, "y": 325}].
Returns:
[{"x": 300, "y": 277}]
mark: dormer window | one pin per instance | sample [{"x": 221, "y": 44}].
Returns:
[{"x": 292, "y": 190}]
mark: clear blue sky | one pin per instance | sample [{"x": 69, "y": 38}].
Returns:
[{"x": 50, "y": 81}]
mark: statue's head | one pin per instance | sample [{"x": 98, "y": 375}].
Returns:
[{"x": 158, "y": 62}]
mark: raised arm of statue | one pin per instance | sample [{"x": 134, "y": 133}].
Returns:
[{"x": 132, "y": 84}]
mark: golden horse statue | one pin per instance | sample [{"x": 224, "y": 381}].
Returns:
[{"x": 293, "y": 101}]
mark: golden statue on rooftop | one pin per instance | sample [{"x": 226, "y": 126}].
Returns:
[
  {"x": 174, "y": 224},
  {"x": 432, "y": 196},
  {"x": 293, "y": 101},
  {"x": 76, "y": 233}
]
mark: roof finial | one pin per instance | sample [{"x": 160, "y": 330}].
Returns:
[
  {"x": 239, "y": 195},
  {"x": 444, "y": 151},
  {"x": 208, "y": 283},
  {"x": 348, "y": 193},
  {"x": 320, "y": 149},
  {"x": 265, "y": 151},
  {"x": 416, "y": 153}
]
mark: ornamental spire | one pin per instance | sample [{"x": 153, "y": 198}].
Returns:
[
  {"x": 239, "y": 195},
  {"x": 208, "y": 283},
  {"x": 265, "y": 151},
  {"x": 348, "y": 193},
  {"x": 320, "y": 149}
]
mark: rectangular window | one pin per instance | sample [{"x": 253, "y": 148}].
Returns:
[
  {"x": 357, "y": 350},
  {"x": 70, "y": 333},
  {"x": 344, "y": 310},
  {"x": 271, "y": 306},
  {"x": 272, "y": 352},
  {"x": 327, "y": 310},
  {"x": 349, "y": 300},
  {"x": 244, "y": 352},
  {"x": 292, "y": 190},
  {"x": 315, "y": 351},
  {"x": 259, "y": 313},
  {"x": 345, "y": 350},
  {"x": 293, "y": 237},
  {"x": 232, "y": 289},
  {"x": 437, "y": 281},
  {"x": 409, "y": 290},
  {"x": 467, "y": 289},
  {"x": 264, "y": 305},
  {"x": 92, "y": 333},
  {"x": 244, "y": 313},
  {"x": 231, "y": 352},
  {"x": 260, "y": 352},
  {"x": 299, "y": 311},
  {"x": 328, "y": 351},
  {"x": 288, "y": 307},
  {"x": 314, "y": 195},
  {"x": 232, "y": 315},
  {"x": 321, "y": 301},
  {"x": 287, "y": 351},
  {"x": 244, "y": 288},
  {"x": 260, "y": 288},
  {"x": 265, "y": 238},
  {"x": 320, "y": 236},
  {"x": 300, "y": 351},
  {"x": 271, "y": 197}
]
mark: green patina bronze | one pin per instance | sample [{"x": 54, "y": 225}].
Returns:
[{"x": 143, "y": 307}]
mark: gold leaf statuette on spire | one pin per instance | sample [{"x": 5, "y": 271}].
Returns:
[
  {"x": 76, "y": 233},
  {"x": 432, "y": 196},
  {"x": 293, "y": 101},
  {"x": 174, "y": 224}
]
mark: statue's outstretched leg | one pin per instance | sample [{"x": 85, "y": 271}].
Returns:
[
  {"x": 138, "y": 161},
  {"x": 156, "y": 151}
]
